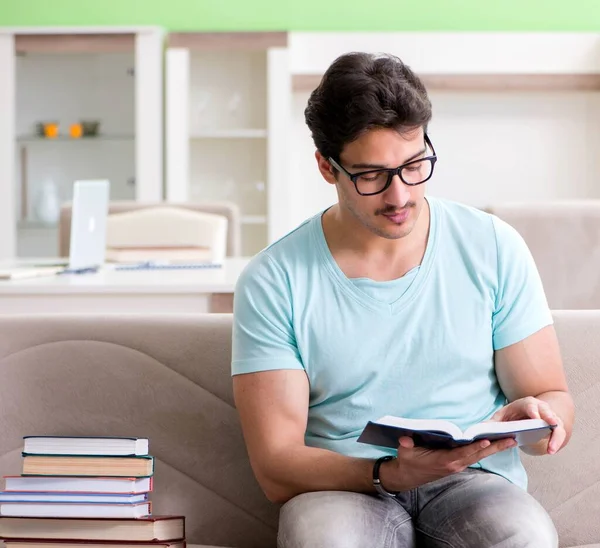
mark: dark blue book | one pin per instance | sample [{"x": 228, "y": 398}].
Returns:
[{"x": 443, "y": 434}]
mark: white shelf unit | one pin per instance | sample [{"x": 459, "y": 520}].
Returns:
[
  {"x": 227, "y": 122},
  {"x": 110, "y": 75}
]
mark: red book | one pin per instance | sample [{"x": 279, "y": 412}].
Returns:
[
  {"x": 49, "y": 543},
  {"x": 149, "y": 529}
]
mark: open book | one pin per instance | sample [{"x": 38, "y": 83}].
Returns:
[{"x": 443, "y": 434}]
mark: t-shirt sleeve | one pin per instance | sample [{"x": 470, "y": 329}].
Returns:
[
  {"x": 521, "y": 307},
  {"x": 263, "y": 334}
]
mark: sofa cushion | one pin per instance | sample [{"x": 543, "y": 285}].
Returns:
[{"x": 568, "y": 483}]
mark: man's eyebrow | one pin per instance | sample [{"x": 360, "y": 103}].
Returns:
[{"x": 380, "y": 166}]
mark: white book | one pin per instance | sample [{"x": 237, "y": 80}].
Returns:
[
  {"x": 93, "y": 498},
  {"x": 438, "y": 433},
  {"x": 55, "y": 510},
  {"x": 22, "y": 273},
  {"x": 74, "y": 445},
  {"x": 65, "y": 484}
]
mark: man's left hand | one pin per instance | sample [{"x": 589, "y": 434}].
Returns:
[{"x": 534, "y": 408}]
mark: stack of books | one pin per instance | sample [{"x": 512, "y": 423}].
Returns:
[{"x": 76, "y": 491}]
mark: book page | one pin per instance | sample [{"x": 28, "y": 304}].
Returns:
[
  {"x": 507, "y": 427},
  {"x": 428, "y": 425}
]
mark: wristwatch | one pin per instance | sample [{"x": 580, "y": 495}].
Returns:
[{"x": 376, "y": 481}]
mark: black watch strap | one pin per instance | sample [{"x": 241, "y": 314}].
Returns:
[{"x": 376, "y": 481}]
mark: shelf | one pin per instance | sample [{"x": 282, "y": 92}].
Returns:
[
  {"x": 74, "y": 43},
  {"x": 230, "y": 134},
  {"x": 36, "y": 225},
  {"x": 254, "y": 219},
  {"x": 484, "y": 82},
  {"x": 227, "y": 41},
  {"x": 30, "y": 139}
]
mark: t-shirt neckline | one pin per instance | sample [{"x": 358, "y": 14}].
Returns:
[{"x": 355, "y": 292}]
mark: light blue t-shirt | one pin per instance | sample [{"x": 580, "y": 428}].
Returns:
[{"x": 421, "y": 347}]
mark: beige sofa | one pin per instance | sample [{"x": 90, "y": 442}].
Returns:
[
  {"x": 167, "y": 378},
  {"x": 564, "y": 239}
]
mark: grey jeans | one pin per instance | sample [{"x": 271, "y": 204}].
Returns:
[{"x": 472, "y": 509}]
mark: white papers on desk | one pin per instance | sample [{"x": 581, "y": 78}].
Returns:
[{"x": 29, "y": 272}]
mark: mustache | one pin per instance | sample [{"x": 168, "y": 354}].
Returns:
[{"x": 391, "y": 210}]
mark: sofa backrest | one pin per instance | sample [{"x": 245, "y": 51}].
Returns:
[
  {"x": 168, "y": 378},
  {"x": 569, "y": 230},
  {"x": 165, "y": 378}
]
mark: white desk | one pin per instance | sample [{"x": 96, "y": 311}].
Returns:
[{"x": 118, "y": 291}]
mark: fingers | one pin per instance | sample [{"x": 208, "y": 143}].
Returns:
[
  {"x": 546, "y": 413},
  {"x": 406, "y": 442},
  {"x": 495, "y": 447},
  {"x": 474, "y": 452},
  {"x": 559, "y": 435},
  {"x": 532, "y": 410},
  {"x": 498, "y": 416}
]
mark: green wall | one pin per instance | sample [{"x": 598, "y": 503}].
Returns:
[{"x": 518, "y": 15}]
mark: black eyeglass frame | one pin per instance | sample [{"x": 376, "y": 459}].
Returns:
[{"x": 391, "y": 172}]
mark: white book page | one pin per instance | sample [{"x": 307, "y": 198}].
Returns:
[
  {"x": 493, "y": 427},
  {"x": 439, "y": 425}
]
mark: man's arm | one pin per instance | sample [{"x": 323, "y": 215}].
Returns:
[
  {"x": 531, "y": 375},
  {"x": 273, "y": 408}
]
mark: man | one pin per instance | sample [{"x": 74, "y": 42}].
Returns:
[{"x": 391, "y": 303}]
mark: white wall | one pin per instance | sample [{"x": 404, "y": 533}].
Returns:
[
  {"x": 501, "y": 147},
  {"x": 492, "y": 147}
]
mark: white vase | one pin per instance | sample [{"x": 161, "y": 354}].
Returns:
[{"x": 47, "y": 204}]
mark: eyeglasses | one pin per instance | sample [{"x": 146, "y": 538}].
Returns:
[{"x": 375, "y": 181}]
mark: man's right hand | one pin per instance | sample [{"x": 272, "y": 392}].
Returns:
[{"x": 417, "y": 466}]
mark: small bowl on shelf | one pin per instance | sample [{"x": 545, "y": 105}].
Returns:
[{"x": 90, "y": 128}]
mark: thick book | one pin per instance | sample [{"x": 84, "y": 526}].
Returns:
[
  {"x": 80, "y": 445},
  {"x": 61, "y": 465},
  {"x": 49, "y": 543},
  {"x": 443, "y": 434},
  {"x": 70, "y": 510},
  {"x": 66, "y": 484},
  {"x": 150, "y": 529},
  {"x": 73, "y": 498}
]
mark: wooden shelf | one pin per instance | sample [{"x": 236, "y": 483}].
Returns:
[
  {"x": 36, "y": 225},
  {"x": 231, "y": 134},
  {"x": 74, "y": 43},
  {"x": 485, "y": 82},
  {"x": 227, "y": 41},
  {"x": 29, "y": 139}
]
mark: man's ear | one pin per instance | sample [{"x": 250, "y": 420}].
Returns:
[{"x": 327, "y": 170}]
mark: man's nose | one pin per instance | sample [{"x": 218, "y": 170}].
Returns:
[{"x": 397, "y": 193}]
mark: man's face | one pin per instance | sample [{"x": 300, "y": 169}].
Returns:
[{"x": 393, "y": 213}]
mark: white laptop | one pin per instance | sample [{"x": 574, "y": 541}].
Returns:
[
  {"x": 89, "y": 214},
  {"x": 88, "y": 224}
]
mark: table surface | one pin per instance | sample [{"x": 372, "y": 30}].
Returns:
[{"x": 109, "y": 280}]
